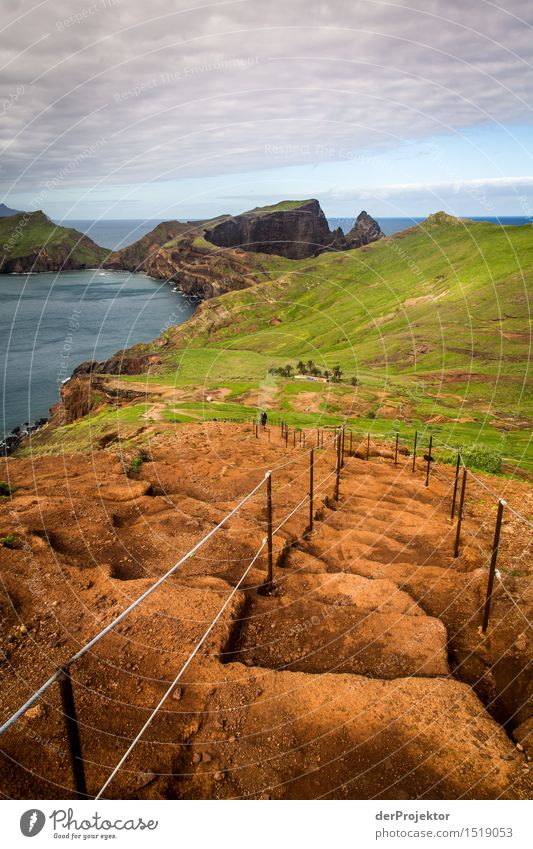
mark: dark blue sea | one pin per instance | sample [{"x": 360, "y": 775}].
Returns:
[{"x": 49, "y": 323}]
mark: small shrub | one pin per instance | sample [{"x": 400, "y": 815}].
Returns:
[
  {"x": 5, "y": 489},
  {"x": 476, "y": 458},
  {"x": 483, "y": 459},
  {"x": 8, "y": 541},
  {"x": 136, "y": 464}
]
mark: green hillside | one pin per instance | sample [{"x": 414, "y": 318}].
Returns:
[
  {"x": 432, "y": 325},
  {"x": 30, "y": 241}
]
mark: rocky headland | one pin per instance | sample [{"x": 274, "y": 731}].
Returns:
[
  {"x": 30, "y": 242},
  {"x": 208, "y": 258}
]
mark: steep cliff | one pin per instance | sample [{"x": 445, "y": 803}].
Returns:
[
  {"x": 293, "y": 229},
  {"x": 197, "y": 268}
]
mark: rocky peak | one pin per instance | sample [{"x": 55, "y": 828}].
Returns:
[{"x": 365, "y": 230}]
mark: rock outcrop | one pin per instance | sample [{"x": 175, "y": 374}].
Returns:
[
  {"x": 209, "y": 258},
  {"x": 365, "y": 230},
  {"x": 288, "y": 229},
  {"x": 293, "y": 229}
]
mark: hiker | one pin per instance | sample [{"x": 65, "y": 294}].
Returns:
[{"x": 263, "y": 419}]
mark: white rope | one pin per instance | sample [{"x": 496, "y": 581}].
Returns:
[
  {"x": 299, "y": 456},
  {"x": 57, "y": 674},
  {"x": 286, "y": 519},
  {"x": 178, "y": 676}
]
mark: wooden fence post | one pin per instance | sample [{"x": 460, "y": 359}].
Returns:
[
  {"x": 460, "y": 515},
  {"x": 73, "y": 734},
  {"x": 455, "y": 483},
  {"x": 429, "y": 460}
]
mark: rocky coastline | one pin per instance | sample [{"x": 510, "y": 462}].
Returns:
[{"x": 15, "y": 437}]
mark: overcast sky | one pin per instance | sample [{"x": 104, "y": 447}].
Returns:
[{"x": 178, "y": 108}]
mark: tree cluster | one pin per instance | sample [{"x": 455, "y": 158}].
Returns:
[{"x": 335, "y": 375}]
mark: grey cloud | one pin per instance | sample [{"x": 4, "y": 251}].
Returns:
[{"x": 189, "y": 88}]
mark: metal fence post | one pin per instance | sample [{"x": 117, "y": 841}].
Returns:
[
  {"x": 342, "y": 447},
  {"x": 414, "y": 449},
  {"x": 396, "y": 450},
  {"x": 351, "y": 442},
  {"x": 294, "y": 438},
  {"x": 318, "y": 437},
  {"x": 286, "y": 437},
  {"x": 311, "y": 484},
  {"x": 455, "y": 483},
  {"x": 73, "y": 734},
  {"x": 460, "y": 515},
  {"x": 429, "y": 460},
  {"x": 368, "y": 446},
  {"x": 270, "y": 570},
  {"x": 492, "y": 570}
]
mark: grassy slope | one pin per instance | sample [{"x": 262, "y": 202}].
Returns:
[
  {"x": 282, "y": 206},
  {"x": 22, "y": 234},
  {"x": 433, "y": 322}
]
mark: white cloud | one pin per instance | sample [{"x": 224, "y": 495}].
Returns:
[
  {"x": 187, "y": 88},
  {"x": 493, "y": 185}
]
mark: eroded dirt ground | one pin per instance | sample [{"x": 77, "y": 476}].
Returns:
[{"x": 362, "y": 674}]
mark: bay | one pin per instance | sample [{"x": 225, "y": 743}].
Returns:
[{"x": 50, "y": 323}]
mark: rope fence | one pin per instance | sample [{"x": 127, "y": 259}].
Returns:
[
  {"x": 62, "y": 675},
  {"x": 346, "y": 443}
]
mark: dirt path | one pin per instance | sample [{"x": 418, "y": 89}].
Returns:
[{"x": 361, "y": 675}]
